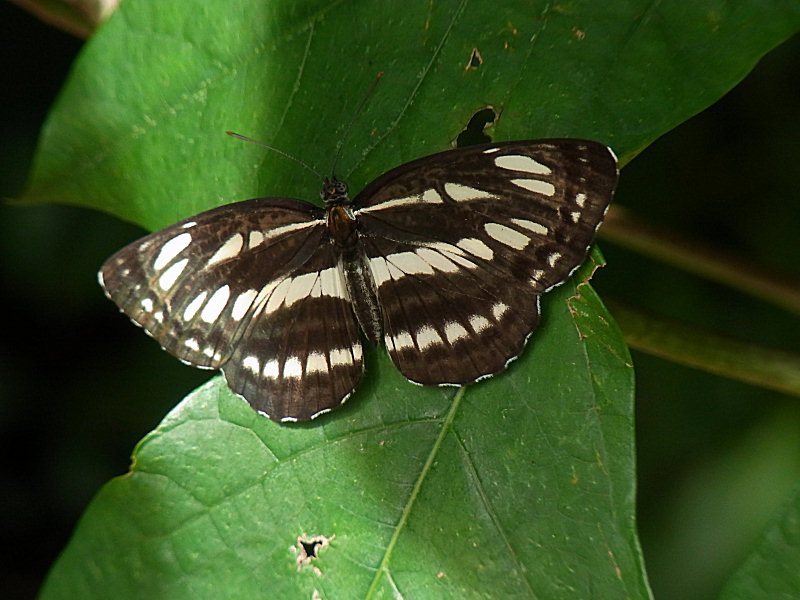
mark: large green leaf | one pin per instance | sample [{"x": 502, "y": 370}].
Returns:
[{"x": 520, "y": 486}]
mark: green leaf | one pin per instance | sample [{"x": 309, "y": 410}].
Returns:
[
  {"x": 520, "y": 486},
  {"x": 772, "y": 571}
]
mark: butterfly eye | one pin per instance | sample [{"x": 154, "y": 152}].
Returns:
[{"x": 333, "y": 189}]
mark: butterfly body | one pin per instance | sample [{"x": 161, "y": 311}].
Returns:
[
  {"x": 353, "y": 264},
  {"x": 443, "y": 259}
]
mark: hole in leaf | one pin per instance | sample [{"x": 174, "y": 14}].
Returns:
[
  {"x": 308, "y": 548},
  {"x": 474, "y": 132},
  {"x": 475, "y": 60}
]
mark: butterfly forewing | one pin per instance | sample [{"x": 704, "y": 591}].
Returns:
[
  {"x": 462, "y": 243},
  {"x": 193, "y": 285}
]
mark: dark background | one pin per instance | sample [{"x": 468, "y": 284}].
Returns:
[{"x": 716, "y": 457}]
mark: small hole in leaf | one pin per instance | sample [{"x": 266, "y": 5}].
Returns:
[
  {"x": 474, "y": 132},
  {"x": 475, "y": 60},
  {"x": 308, "y": 548}
]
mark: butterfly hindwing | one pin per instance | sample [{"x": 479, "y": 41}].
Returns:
[
  {"x": 462, "y": 243},
  {"x": 449, "y": 317},
  {"x": 301, "y": 353}
]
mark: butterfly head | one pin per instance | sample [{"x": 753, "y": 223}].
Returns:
[{"x": 334, "y": 191}]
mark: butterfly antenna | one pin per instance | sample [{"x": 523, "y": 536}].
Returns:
[
  {"x": 359, "y": 110},
  {"x": 281, "y": 152}
]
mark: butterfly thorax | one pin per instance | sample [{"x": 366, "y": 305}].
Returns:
[
  {"x": 342, "y": 227},
  {"x": 340, "y": 218}
]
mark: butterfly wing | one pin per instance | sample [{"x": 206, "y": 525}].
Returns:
[
  {"x": 301, "y": 353},
  {"x": 224, "y": 289},
  {"x": 461, "y": 244}
]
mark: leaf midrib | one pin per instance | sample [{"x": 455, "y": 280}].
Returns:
[{"x": 434, "y": 451}]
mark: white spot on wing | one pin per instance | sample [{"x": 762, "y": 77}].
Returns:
[
  {"x": 380, "y": 271},
  {"x": 401, "y": 340},
  {"x": 254, "y": 239},
  {"x": 536, "y": 185},
  {"x": 230, "y": 249},
  {"x": 171, "y": 249},
  {"x": 580, "y": 199},
  {"x": 575, "y": 216},
  {"x": 445, "y": 247},
  {"x": 405, "y": 201},
  {"x": 518, "y": 162},
  {"x": 409, "y": 263},
  {"x": 462, "y": 193},
  {"x": 479, "y": 323},
  {"x": 147, "y": 304},
  {"x": 170, "y": 276},
  {"x": 216, "y": 304},
  {"x": 192, "y": 344},
  {"x": 271, "y": 369},
  {"x": 506, "y": 235},
  {"x": 341, "y": 356},
  {"x": 262, "y": 297},
  {"x": 429, "y": 196},
  {"x": 531, "y": 226},
  {"x": 455, "y": 331},
  {"x": 437, "y": 260},
  {"x": 427, "y": 336},
  {"x": 292, "y": 367},
  {"x": 498, "y": 310},
  {"x": 283, "y": 229},
  {"x": 316, "y": 363},
  {"x": 332, "y": 285},
  {"x": 316, "y": 289},
  {"x": 553, "y": 258},
  {"x": 454, "y": 253},
  {"x": 194, "y": 306},
  {"x": 394, "y": 272},
  {"x": 476, "y": 247},
  {"x": 277, "y": 295},
  {"x": 300, "y": 287},
  {"x": 242, "y": 304},
  {"x": 251, "y": 364}
]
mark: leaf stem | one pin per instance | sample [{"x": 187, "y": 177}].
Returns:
[
  {"x": 701, "y": 349},
  {"x": 625, "y": 229}
]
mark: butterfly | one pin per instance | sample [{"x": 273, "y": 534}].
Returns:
[{"x": 443, "y": 259}]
